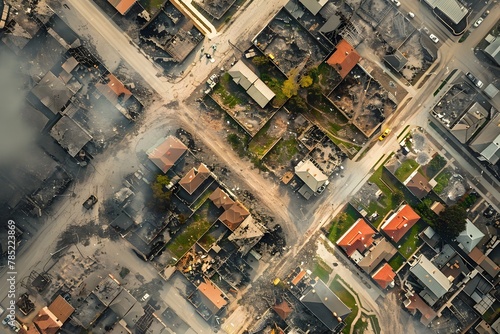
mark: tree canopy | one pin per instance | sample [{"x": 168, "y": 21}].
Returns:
[{"x": 451, "y": 221}]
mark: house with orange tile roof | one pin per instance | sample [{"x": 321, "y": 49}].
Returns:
[
  {"x": 221, "y": 199},
  {"x": 283, "y": 309},
  {"x": 357, "y": 238},
  {"x": 166, "y": 153},
  {"x": 399, "y": 223},
  {"x": 234, "y": 216},
  {"x": 46, "y": 322},
  {"x": 208, "y": 299},
  {"x": 122, "y": 6},
  {"x": 61, "y": 309},
  {"x": 344, "y": 58},
  {"x": 384, "y": 276},
  {"x": 194, "y": 178},
  {"x": 114, "y": 90}
]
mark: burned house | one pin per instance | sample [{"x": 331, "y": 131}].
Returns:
[
  {"x": 172, "y": 32},
  {"x": 70, "y": 135},
  {"x": 119, "y": 96}
]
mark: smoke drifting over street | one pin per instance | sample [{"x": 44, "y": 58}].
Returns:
[{"x": 15, "y": 133}]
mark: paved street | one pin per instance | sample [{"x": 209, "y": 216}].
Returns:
[{"x": 299, "y": 226}]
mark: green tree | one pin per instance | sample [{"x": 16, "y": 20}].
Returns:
[
  {"x": 314, "y": 90},
  {"x": 451, "y": 222},
  {"x": 306, "y": 81},
  {"x": 398, "y": 197},
  {"x": 260, "y": 60},
  {"x": 161, "y": 196}
]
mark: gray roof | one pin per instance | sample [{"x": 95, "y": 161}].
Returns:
[
  {"x": 493, "y": 50},
  {"x": 134, "y": 314},
  {"x": 491, "y": 90},
  {"x": 323, "y": 303},
  {"x": 70, "y": 135},
  {"x": 487, "y": 142},
  {"x": 331, "y": 24},
  {"x": 52, "y": 92},
  {"x": 256, "y": 88},
  {"x": 430, "y": 276},
  {"x": 451, "y": 8},
  {"x": 312, "y": 176},
  {"x": 294, "y": 9},
  {"x": 314, "y": 6},
  {"x": 397, "y": 60},
  {"x": 469, "y": 123},
  {"x": 470, "y": 237},
  {"x": 122, "y": 303}
]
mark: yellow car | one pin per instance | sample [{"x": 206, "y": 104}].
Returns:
[{"x": 385, "y": 134}]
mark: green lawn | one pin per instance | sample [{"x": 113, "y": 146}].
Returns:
[
  {"x": 321, "y": 270},
  {"x": 284, "y": 151},
  {"x": 405, "y": 170},
  {"x": 442, "y": 181},
  {"x": 261, "y": 142},
  {"x": 342, "y": 222},
  {"x": 375, "y": 324},
  {"x": 411, "y": 241},
  {"x": 199, "y": 202},
  {"x": 198, "y": 225},
  {"x": 348, "y": 299},
  {"x": 397, "y": 261},
  {"x": 360, "y": 327},
  {"x": 434, "y": 166},
  {"x": 222, "y": 89}
]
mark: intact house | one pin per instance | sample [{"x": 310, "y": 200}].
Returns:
[
  {"x": 435, "y": 283},
  {"x": 314, "y": 179},
  {"x": 384, "y": 276},
  {"x": 487, "y": 142},
  {"x": 122, "y": 6},
  {"x": 166, "y": 152},
  {"x": 208, "y": 299},
  {"x": 400, "y": 222},
  {"x": 344, "y": 58},
  {"x": 470, "y": 237},
  {"x": 250, "y": 82},
  {"x": 369, "y": 251},
  {"x": 325, "y": 305},
  {"x": 418, "y": 185}
]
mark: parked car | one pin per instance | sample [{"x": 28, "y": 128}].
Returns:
[
  {"x": 478, "y": 22},
  {"x": 476, "y": 81},
  {"x": 385, "y": 134},
  {"x": 90, "y": 202},
  {"x": 397, "y": 3},
  {"x": 434, "y": 38},
  {"x": 410, "y": 14}
]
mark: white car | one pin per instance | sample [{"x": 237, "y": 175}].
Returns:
[
  {"x": 478, "y": 22},
  {"x": 434, "y": 38},
  {"x": 397, "y": 3},
  {"x": 411, "y": 15}
]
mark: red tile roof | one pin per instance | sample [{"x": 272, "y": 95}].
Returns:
[
  {"x": 384, "y": 276},
  {"x": 220, "y": 198},
  {"x": 194, "y": 178},
  {"x": 165, "y": 155},
  {"x": 61, "y": 309},
  {"x": 358, "y": 237},
  {"x": 113, "y": 89},
  {"x": 122, "y": 6},
  {"x": 299, "y": 277},
  {"x": 213, "y": 293},
  {"x": 344, "y": 58},
  {"x": 234, "y": 216},
  {"x": 46, "y": 322},
  {"x": 283, "y": 309},
  {"x": 401, "y": 222}
]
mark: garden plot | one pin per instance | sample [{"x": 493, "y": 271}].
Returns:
[
  {"x": 289, "y": 45},
  {"x": 363, "y": 100},
  {"x": 338, "y": 128},
  {"x": 374, "y": 11},
  {"x": 270, "y": 133},
  {"x": 395, "y": 28},
  {"x": 239, "y": 105},
  {"x": 419, "y": 58}
]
